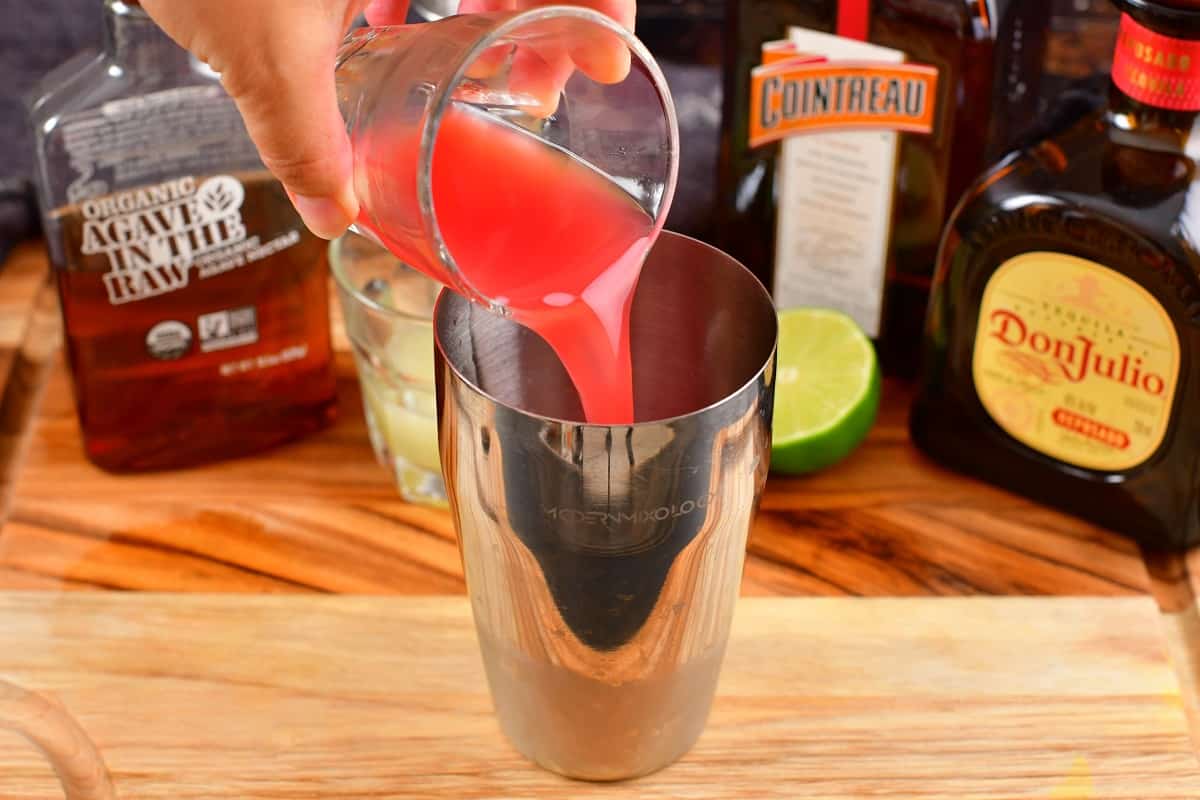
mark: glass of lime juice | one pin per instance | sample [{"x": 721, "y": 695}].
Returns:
[{"x": 388, "y": 307}]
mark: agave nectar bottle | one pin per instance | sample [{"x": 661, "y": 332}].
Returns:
[{"x": 194, "y": 301}]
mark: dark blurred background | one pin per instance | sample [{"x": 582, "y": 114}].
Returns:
[
  {"x": 686, "y": 36},
  {"x": 35, "y": 37}
]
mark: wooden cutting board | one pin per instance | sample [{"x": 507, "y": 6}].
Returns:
[{"x": 200, "y": 696}]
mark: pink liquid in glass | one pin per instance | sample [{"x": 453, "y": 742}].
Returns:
[{"x": 530, "y": 227}]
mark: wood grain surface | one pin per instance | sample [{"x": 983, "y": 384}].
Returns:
[
  {"x": 29, "y": 338},
  {"x": 201, "y": 696},
  {"x": 1175, "y": 584},
  {"x": 21, "y": 276},
  {"x": 321, "y": 515}
]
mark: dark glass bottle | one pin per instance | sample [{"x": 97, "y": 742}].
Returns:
[
  {"x": 194, "y": 301},
  {"x": 874, "y": 261},
  {"x": 1052, "y": 68},
  {"x": 1063, "y": 338},
  {"x": 686, "y": 39}
]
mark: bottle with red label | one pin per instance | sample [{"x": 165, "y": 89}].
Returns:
[
  {"x": 851, "y": 128},
  {"x": 1063, "y": 339},
  {"x": 194, "y": 301},
  {"x": 1052, "y": 68}
]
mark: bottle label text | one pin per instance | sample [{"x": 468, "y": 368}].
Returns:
[{"x": 1076, "y": 361}]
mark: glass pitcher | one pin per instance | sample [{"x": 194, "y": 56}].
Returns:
[{"x": 48, "y": 727}]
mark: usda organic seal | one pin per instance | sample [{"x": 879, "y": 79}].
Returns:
[{"x": 168, "y": 340}]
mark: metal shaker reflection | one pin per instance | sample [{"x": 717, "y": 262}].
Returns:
[{"x": 603, "y": 562}]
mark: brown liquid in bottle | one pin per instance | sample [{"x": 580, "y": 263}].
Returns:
[
  {"x": 1085, "y": 246},
  {"x": 196, "y": 317},
  {"x": 839, "y": 232}
]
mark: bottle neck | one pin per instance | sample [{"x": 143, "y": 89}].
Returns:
[
  {"x": 1155, "y": 76},
  {"x": 136, "y": 43}
]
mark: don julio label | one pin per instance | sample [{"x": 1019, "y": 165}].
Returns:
[{"x": 1076, "y": 361}]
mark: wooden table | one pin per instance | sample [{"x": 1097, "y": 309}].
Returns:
[{"x": 887, "y": 522}]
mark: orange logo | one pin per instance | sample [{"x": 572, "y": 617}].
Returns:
[{"x": 792, "y": 92}]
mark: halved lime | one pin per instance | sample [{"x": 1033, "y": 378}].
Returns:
[{"x": 826, "y": 390}]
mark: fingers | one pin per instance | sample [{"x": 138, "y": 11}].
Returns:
[
  {"x": 599, "y": 54},
  {"x": 602, "y": 56},
  {"x": 623, "y": 11},
  {"x": 276, "y": 59},
  {"x": 540, "y": 73},
  {"x": 291, "y": 112},
  {"x": 542, "y": 70},
  {"x": 481, "y": 6},
  {"x": 387, "y": 12}
]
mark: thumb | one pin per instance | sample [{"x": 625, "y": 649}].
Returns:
[{"x": 289, "y": 103}]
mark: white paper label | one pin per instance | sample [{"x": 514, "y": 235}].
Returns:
[{"x": 835, "y": 192}]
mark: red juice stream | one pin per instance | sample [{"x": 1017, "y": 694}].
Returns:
[{"x": 530, "y": 227}]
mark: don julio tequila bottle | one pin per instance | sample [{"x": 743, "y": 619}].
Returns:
[
  {"x": 1063, "y": 338},
  {"x": 194, "y": 301}
]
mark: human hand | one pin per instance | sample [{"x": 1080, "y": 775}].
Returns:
[
  {"x": 276, "y": 59},
  {"x": 538, "y": 72}
]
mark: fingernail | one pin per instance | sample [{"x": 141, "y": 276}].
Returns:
[{"x": 324, "y": 217}]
